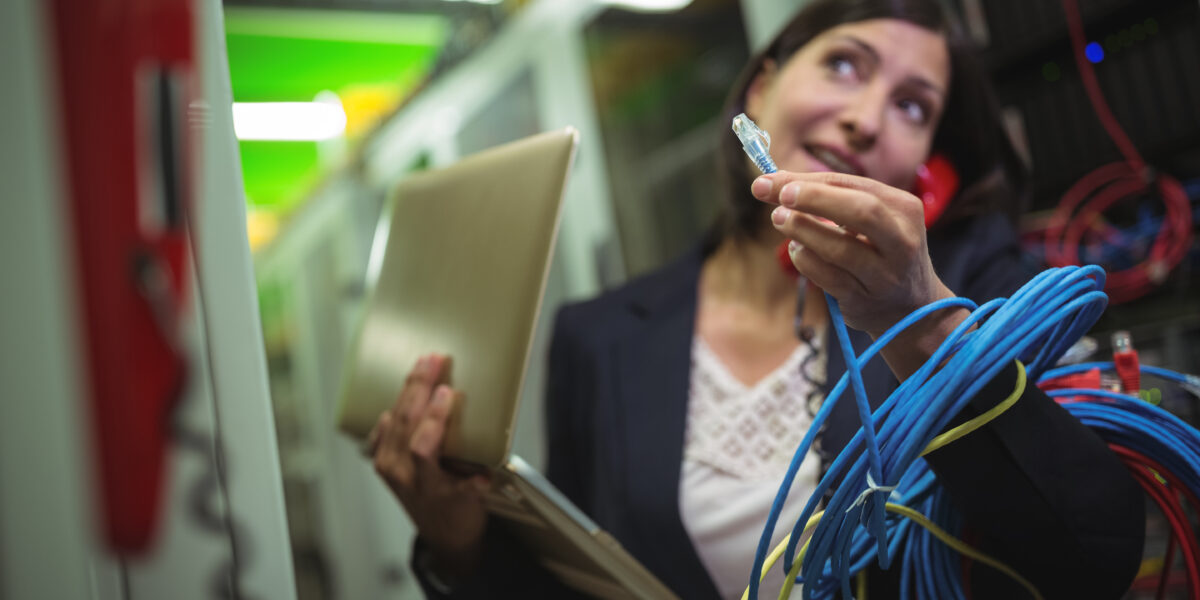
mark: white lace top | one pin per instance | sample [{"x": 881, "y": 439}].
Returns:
[{"x": 738, "y": 443}]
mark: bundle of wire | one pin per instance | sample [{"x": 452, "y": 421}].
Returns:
[
  {"x": 880, "y": 470},
  {"x": 1161, "y": 451},
  {"x": 1084, "y": 203}
]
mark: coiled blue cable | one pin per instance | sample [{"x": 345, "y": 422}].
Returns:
[
  {"x": 1036, "y": 325},
  {"x": 1116, "y": 418}
]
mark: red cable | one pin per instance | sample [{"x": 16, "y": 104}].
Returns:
[
  {"x": 1103, "y": 187},
  {"x": 1146, "y": 583},
  {"x": 1075, "y": 27},
  {"x": 1171, "y": 509},
  {"x": 1097, "y": 192},
  {"x": 1135, "y": 456},
  {"x": 1140, "y": 466},
  {"x": 1166, "y": 568}
]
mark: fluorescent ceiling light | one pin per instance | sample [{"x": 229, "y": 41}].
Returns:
[
  {"x": 337, "y": 25},
  {"x": 649, "y": 5},
  {"x": 288, "y": 121}
]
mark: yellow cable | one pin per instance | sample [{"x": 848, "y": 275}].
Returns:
[
  {"x": 983, "y": 419},
  {"x": 949, "y": 540},
  {"x": 773, "y": 557},
  {"x": 861, "y": 592},
  {"x": 961, "y": 546},
  {"x": 786, "y": 591}
]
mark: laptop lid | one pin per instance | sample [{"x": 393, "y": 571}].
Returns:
[{"x": 463, "y": 272}]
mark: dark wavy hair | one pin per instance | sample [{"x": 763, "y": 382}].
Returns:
[{"x": 970, "y": 133}]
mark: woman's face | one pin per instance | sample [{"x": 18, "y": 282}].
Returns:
[{"x": 862, "y": 98}]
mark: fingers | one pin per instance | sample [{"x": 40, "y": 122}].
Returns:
[
  {"x": 476, "y": 484},
  {"x": 390, "y": 439},
  {"x": 418, "y": 388},
  {"x": 372, "y": 443},
  {"x": 874, "y": 261},
  {"x": 830, "y": 243},
  {"x": 427, "y": 438},
  {"x": 825, "y": 274},
  {"x": 864, "y": 212},
  {"x": 767, "y": 187},
  {"x": 407, "y": 455},
  {"x": 891, "y": 219},
  {"x": 426, "y": 444},
  {"x": 392, "y": 460},
  {"x": 781, "y": 179}
]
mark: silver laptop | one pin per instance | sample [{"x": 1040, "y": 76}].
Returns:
[{"x": 463, "y": 273}]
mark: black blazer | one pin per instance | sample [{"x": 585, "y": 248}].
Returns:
[{"x": 1043, "y": 492}]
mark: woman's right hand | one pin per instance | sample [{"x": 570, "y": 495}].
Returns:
[{"x": 405, "y": 444}]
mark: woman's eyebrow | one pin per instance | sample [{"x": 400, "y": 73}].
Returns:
[
  {"x": 869, "y": 49},
  {"x": 918, "y": 81}
]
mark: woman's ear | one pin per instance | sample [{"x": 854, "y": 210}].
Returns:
[{"x": 759, "y": 85}]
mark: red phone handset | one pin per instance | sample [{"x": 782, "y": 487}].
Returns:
[
  {"x": 785, "y": 260},
  {"x": 937, "y": 182},
  {"x": 125, "y": 72}
]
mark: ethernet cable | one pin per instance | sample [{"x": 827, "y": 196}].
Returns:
[{"x": 1036, "y": 326}]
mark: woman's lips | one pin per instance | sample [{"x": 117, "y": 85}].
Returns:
[{"x": 833, "y": 159}]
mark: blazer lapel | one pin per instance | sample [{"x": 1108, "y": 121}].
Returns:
[{"x": 652, "y": 380}]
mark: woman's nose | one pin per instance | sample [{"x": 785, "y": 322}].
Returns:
[{"x": 863, "y": 118}]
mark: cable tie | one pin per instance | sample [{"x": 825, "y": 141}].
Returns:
[{"x": 872, "y": 488}]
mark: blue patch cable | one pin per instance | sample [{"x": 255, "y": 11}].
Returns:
[{"x": 1036, "y": 326}]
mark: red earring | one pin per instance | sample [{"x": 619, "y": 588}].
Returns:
[{"x": 785, "y": 260}]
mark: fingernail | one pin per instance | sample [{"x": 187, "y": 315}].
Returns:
[
  {"x": 779, "y": 215},
  {"x": 794, "y": 247},
  {"x": 421, "y": 441},
  {"x": 787, "y": 196},
  {"x": 441, "y": 397},
  {"x": 761, "y": 188}
]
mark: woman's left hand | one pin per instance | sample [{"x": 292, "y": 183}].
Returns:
[{"x": 860, "y": 240}]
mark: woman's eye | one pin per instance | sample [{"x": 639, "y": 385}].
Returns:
[
  {"x": 841, "y": 66},
  {"x": 914, "y": 111}
]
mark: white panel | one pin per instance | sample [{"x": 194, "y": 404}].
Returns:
[
  {"x": 45, "y": 523},
  {"x": 565, "y": 98},
  {"x": 243, "y": 407},
  {"x": 442, "y": 107},
  {"x": 764, "y": 19},
  {"x": 340, "y": 502},
  {"x": 565, "y": 95}
]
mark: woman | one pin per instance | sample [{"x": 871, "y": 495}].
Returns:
[{"x": 674, "y": 402}]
